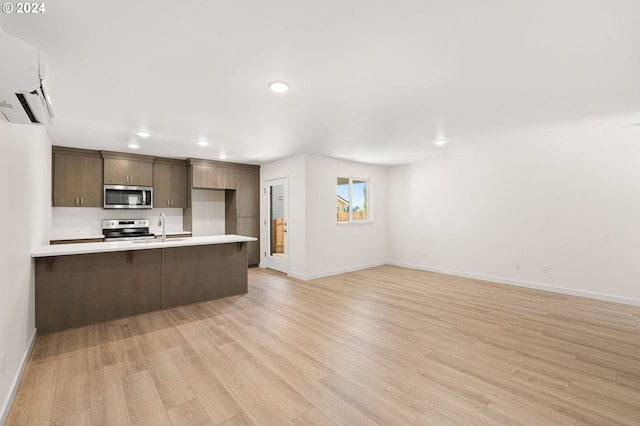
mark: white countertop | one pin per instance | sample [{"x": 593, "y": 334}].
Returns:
[{"x": 85, "y": 248}]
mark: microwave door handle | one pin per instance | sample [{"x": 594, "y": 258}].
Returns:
[{"x": 144, "y": 197}]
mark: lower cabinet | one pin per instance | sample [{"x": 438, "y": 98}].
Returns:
[
  {"x": 183, "y": 235},
  {"x": 249, "y": 227},
  {"x": 77, "y": 290},
  {"x": 86, "y": 240},
  {"x": 196, "y": 273},
  {"x": 83, "y": 289}
]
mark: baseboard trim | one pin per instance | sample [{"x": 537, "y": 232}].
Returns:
[
  {"x": 526, "y": 284},
  {"x": 336, "y": 271},
  {"x": 16, "y": 380}
]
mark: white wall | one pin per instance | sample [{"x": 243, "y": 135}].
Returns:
[
  {"x": 318, "y": 246},
  {"x": 208, "y": 217},
  {"x": 333, "y": 248},
  {"x": 573, "y": 206},
  {"x": 25, "y": 173},
  {"x": 86, "y": 222}
]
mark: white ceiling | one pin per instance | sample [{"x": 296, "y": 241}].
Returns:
[{"x": 372, "y": 81}]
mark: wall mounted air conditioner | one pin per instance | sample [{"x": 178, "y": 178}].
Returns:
[{"x": 23, "y": 94}]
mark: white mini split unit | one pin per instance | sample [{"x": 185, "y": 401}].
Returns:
[{"x": 23, "y": 95}]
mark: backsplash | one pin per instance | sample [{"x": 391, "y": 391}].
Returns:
[{"x": 79, "y": 222}]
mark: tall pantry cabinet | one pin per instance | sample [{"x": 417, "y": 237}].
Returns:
[{"x": 240, "y": 183}]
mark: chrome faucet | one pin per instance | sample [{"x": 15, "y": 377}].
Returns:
[{"x": 163, "y": 222}]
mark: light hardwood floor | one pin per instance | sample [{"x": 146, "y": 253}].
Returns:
[{"x": 385, "y": 345}]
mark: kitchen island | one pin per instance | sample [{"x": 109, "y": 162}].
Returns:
[{"x": 80, "y": 284}]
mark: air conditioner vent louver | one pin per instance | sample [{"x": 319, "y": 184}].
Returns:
[
  {"x": 23, "y": 97},
  {"x": 26, "y": 107}
]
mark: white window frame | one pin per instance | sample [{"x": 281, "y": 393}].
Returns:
[{"x": 351, "y": 220}]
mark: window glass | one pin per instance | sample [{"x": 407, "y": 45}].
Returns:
[
  {"x": 351, "y": 199},
  {"x": 359, "y": 199}
]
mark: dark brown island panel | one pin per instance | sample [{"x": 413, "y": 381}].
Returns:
[{"x": 81, "y": 289}]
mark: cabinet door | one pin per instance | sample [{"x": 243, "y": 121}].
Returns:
[
  {"x": 247, "y": 193},
  {"x": 226, "y": 178},
  {"x": 169, "y": 186},
  {"x": 213, "y": 177},
  {"x": 91, "y": 182},
  {"x": 201, "y": 177},
  {"x": 248, "y": 227},
  {"x": 179, "y": 186},
  {"x": 116, "y": 171},
  {"x": 161, "y": 185},
  {"x": 140, "y": 173},
  {"x": 66, "y": 180}
]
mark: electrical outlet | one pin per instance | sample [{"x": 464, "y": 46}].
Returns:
[
  {"x": 547, "y": 269},
  {"x": 2, "y": 363},
  {"x": 518, "y": 265}
]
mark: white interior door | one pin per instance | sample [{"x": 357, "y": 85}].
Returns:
[{"x": 277, "y": 250}]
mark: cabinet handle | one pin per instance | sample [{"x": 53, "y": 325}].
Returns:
[
  {"x": 77, "y": 201},
  {"x": 173, "y": 203},
  {"x": 127, "y": 178},
  {"x": 131, "y": 179},
  {"x": 82, "y": 201}
]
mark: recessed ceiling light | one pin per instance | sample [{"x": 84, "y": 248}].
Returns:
[
  {"x": 133, "y": 145},
  {"x": 279, "y": 86},
  {"x": 222, "y": 156},
  {"x": 202, "y": 142},
  {"x": 143, "y": 133},
  {"x": 440, "y": 142}
]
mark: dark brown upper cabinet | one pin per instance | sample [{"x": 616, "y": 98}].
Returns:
[
  {"x": 212, "y": 175},
  {"x": 77, "y": 178},
  {"x": 126, "y": 169},
  {"x": 169, "y": 183}
]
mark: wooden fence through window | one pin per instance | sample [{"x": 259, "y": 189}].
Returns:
[{"x": 359, "y": 215}]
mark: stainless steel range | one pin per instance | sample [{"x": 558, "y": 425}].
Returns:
[{"x": 126, "y": 229}]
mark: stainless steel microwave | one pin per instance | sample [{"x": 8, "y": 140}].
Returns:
[{"x": 128, "y": 197}]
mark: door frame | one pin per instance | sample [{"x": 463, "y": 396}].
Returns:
[{"x": 268, "y": 261}]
